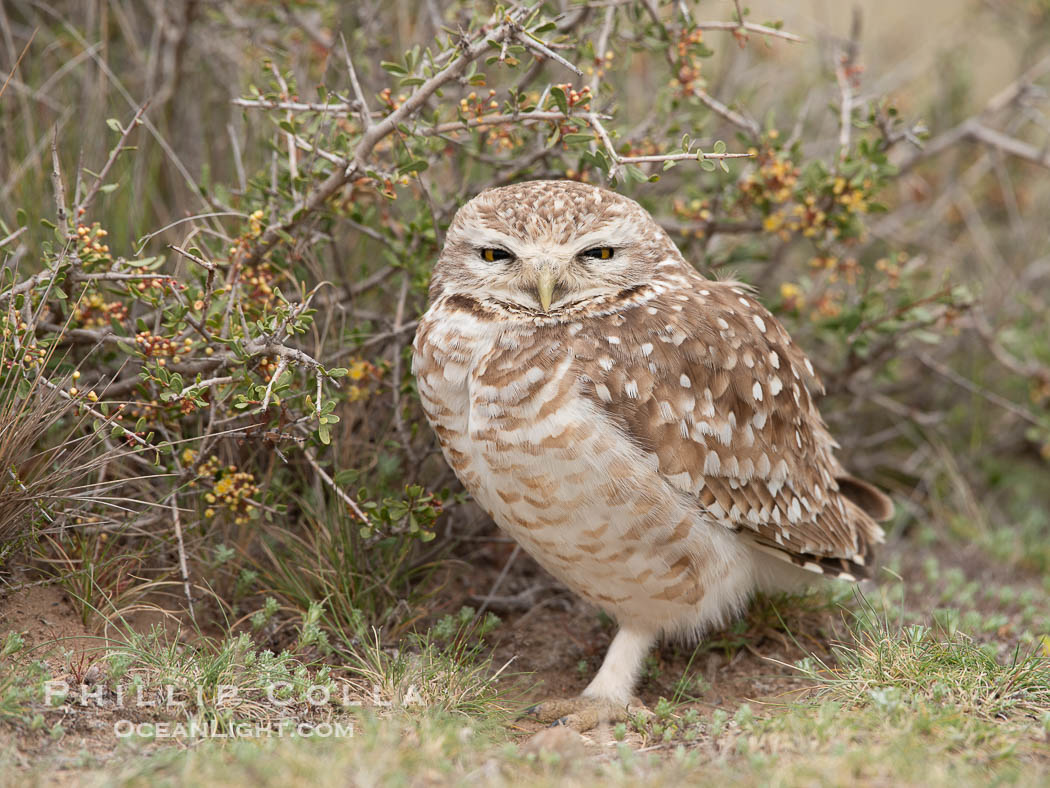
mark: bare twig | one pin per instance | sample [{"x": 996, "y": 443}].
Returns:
[
  {"x": 695, "y": 156},
  {"x": 976, "y": 128},
  {"x": 180, "y": 545},
  {"x": 330, "y": 108},
  {"x": 354, "y": 507},
  {"x": 12, "y": 237},
  {"x": 14, "y": 68},
  {"x": 529, "y": 41},
  {"x": 363, "y": 111},
  {"x": 61, "y": 212},
  {"x": 601, "y": 48},
  {"x": 973, "y": 388},
  {"x": 750, "y": 27},
  {"x": 844, "y": 67},
  {"x": 193, "y": 258},
  {"x": 491, "y": 595},
  {"x": 121, "y": 145}
]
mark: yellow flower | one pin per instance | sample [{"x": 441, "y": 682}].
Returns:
[{"x": 772, "y": 222}]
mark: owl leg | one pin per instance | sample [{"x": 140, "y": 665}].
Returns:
[
  {"x": 608, "y": 697},
  {"x": 619, "y": 671}
]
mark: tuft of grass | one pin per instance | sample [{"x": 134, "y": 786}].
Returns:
[
  {"x": 447, "y": 669},
  {"x": 226, "y": 681},
  {"x": 36, "y": 475},
  {"x": 894, "y": 667},
  {"x": 350, "y": 581},
  {"x": 18, "y": 681}
]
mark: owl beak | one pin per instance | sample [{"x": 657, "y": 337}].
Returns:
[{"x": 545, "y": 282}]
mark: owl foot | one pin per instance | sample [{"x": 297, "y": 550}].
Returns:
[{"x": 583, "y": 714}]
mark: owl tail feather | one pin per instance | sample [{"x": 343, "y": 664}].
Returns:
[{"x": 872, "y": 501}]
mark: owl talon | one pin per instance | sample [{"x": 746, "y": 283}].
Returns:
[{"x": 584, "y": 714}]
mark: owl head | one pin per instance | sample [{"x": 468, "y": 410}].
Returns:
[{"x": 545, "y": 246}]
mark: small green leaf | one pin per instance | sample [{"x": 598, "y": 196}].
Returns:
[
  {"x": 419, "y": 165},
  {"x": 560, "y": 99}
]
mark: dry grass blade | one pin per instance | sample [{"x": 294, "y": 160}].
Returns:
[{"x": 48, "y": 456}]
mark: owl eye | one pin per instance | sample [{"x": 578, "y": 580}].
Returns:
[
  {"x": 492, "y": 255},
  {"x": 599, "y": 252}
]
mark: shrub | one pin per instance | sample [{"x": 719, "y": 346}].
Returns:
[{"x": 238, "y": 289}]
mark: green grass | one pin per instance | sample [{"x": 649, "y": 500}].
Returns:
[{"x": 894, "y": 703}]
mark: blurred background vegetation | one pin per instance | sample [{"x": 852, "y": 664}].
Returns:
[{"x": 218, "y": 218}]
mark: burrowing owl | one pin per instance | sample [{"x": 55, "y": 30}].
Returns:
[{"x": 647, "y": 434}]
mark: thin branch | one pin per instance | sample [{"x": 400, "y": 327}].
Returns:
[
  {"x": 12, "y": 237},
  {"x": 969, "y": 385},
  {"x": 975, "y": 129},
  {"x": 537, "y": 46},
  {"x": 84, "y": 204},
  {"x": 601, "y": 48},
  {"x": 282, "y": 365},
  {"x": 365, "y": 113},
  {"x": 181, "y": 546},
  {"x": 734, "y": 117},
  {"x": 661, "y": 157},
  {"x": 497, "y": 120},
  {"x": 845, "y": 105},
  {"x": 61, "y": 212},
  {"x": 331, "y": 108},
  {"x": 354, "y": 507},
  {"x": 193, "y": 258},
  {"x": 751, "y": 27},
  {"x": 204, "y": 384}
]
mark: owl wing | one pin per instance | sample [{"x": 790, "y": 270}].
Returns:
[{"x": 705, "y": 378}]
